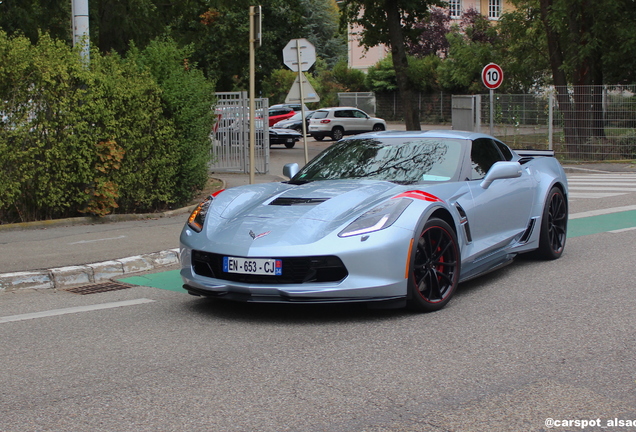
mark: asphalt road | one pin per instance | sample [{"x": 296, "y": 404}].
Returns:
[{"x": 531, "y": 342}]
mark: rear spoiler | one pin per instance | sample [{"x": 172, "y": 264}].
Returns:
[{"x": 535, "y": 153}]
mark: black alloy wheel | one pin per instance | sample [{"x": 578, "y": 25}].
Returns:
[
  {"x": 553, "y": 226},
  {"x": 435, "y": 264},
  {"x": 378, "y": 128}
]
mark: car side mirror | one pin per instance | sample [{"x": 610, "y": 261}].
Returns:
[
  {"x": 290, "y": 170},
  {"x": 501, "y": 170}
]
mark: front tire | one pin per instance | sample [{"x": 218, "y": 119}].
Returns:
[
  {"x": 553, "y": 226},
  {"x": 434, "y": 267}
]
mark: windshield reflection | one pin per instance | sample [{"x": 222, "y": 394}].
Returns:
[{"x": 399, "y": 160}]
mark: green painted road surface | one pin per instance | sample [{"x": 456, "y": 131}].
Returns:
[
  {"x": 602, "y": 223},
  {"x": 613, "y": 222},
  {"x": 169, "y": 280}
]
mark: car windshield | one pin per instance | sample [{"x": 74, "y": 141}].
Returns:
[{"x": 399, "y": 160}]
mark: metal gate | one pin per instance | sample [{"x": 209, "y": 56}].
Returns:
[
  {"x": 466, "y": 113},
  {"x": 230, "y": 148}
]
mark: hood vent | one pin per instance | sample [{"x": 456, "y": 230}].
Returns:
[{"x": 281, "y": 201}]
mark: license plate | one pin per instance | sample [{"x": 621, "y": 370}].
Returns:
[
  {"x": 257, "y": 266},
  {"x": 290, "y": 140}
]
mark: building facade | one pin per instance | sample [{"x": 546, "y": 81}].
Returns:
[{"x": 362, "y": 59}]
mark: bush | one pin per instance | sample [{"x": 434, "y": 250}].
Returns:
[
  {"x": 45, "y": 137},
  {"x": 90, "y": 138},
  {"x": 187, "y": 99}
]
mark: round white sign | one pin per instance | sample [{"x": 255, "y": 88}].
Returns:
[{"x": 492, "y": 76}]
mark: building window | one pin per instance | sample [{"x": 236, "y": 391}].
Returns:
[
  {"x": 494, "y": 9},
  {"x": 455, "y": 8}
]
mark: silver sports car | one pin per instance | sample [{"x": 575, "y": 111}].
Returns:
[{"x": 399, "y": 218}]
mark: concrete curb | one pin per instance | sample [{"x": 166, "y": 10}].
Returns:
[{"x": 66, "y": 277}]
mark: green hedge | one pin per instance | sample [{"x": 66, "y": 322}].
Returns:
[{"x": 79, "y": 138}]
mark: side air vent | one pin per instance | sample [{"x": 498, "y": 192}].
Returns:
[
  {"x": 297, "y": 201},
  {"x": 463, "y": 221},
  {"x": 528, "y": 232}
]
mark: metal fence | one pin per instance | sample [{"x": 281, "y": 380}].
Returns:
[
  {"x": 363, "y": 100},
  {"x": 582, "y": 123},
  {"x": 230, "y": 140},
  {"x": 434, "y": 108}
]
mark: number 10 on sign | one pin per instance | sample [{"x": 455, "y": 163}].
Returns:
[{"x": 492, "y": 76}]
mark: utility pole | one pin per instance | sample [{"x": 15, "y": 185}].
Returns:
[
  {"x": 255, "y": 37},
  {"x": 79, "y": 10}
]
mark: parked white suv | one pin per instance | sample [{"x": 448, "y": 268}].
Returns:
[{"x": 340, "y": 121}]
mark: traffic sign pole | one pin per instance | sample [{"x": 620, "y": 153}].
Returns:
[
  {"x": 303, "y": 59},
  {"x": 302, "y": 101},
  {"x": 492, "y": 112},
  {"x": 492, "y": 77},
  {"x": 252, "y": 121}
]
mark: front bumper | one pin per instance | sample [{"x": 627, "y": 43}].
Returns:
[{"x": 375, "y": 271}]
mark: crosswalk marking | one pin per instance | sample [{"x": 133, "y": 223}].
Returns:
[{"x": 596, "y": 186}]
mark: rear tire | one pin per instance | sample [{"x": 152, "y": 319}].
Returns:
[
  {"x": 337, "y": 133},
  {"x": 434, "y": 267},
  {"x": 553, "y": 226}
]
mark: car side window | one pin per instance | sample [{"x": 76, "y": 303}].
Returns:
[
  {"x": 359, "y": 114},
  {"x": 505, "y": 151},
  {"x": 340, "y": 114},
  {"x": 483, "y": 155}
]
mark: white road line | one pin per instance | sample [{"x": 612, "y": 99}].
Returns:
[
  {"x": 597, "y": 186},
  {"x": 602, "y": 183},
  {"x": 602, "y": 212},
  {"x": 601, "y": 188},
  {"x": 72, "y": 310},
  {"x": 622, "y": 230},
  {"x": 573, "y": 195},
  {"x": 98, "y": 240},
  {"x": 616, "y": 175}
]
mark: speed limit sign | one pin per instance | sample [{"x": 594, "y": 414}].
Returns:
[{"x": 492, "y": 76}]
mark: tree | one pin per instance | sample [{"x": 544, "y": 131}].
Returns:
[
  {"x": 31, "y": 17},
  {"x": 321, "y": 28},
  {"x": 393, "y": 23},
  {"x": 589, "y": 43},
  {"x": 524, "y": 50},
  {"x": 433, "y": 39},
  {"x": 472, "y": 45}
]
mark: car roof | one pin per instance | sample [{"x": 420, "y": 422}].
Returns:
[
  {"x": 337, "y": 108},
  {"x": 433, "y": 133}
]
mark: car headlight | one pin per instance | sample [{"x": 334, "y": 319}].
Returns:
[
  {"x": 377, "y": 218},
  {"x": 197, "y": 218}
]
